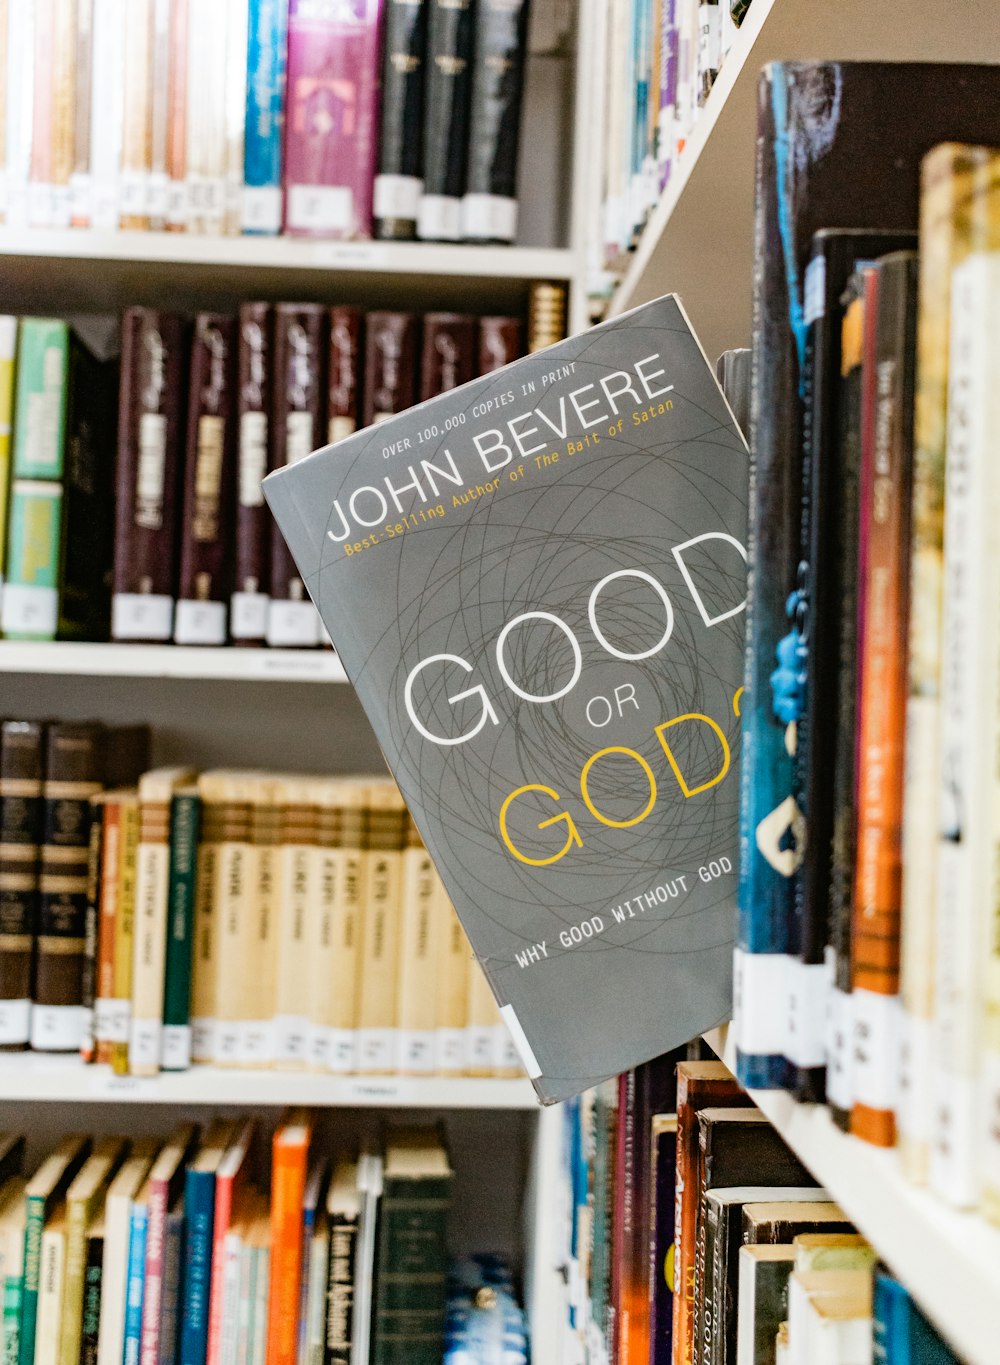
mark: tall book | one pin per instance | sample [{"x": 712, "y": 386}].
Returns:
[
  {"x": 231, "y": 1177},
  {"x": 265, "y": 112},
  {"x": 161, "y": 57},
  {"x": 40, "y": 178},
  {"x": 19, "y": 92},
  {"x": 290, "y": 1155},
  {"x": 298, "y": 895},
  {"x": 185, "y": 813},
  {"x": 135, "y": 1284},
  {"x": 199, "y": 1210},
  {"x": 30, "y": 606},
  {"x": 22, "y": 808},
  {"x": 499, "y": 343},
  {"x": 662, "y": 1238},
  {"x": 886, "y": 483},
  {"x": 147, "y": 512},
  {"x": 8, "y": 350},
  {"x": 816, "y": 117},
  {"x": 40, "y": 401},
  {"x": 176, "y": 165},
  {"x": 252, "y": 542},
  {"x": 334, "y": 925},
  {"x": 90, "y": 1320},
  {"x": 399, "y": 178},
  {"x": 331, "y": 114},
  {"x": 208, "y": 33},
  {"x": 419, "y": 956},
  {"x": 410, "y": 1259},
  {"x": 297, "y": 399},
  {"x": 84, "y": 1198},
  {"x": 448, "y": 353},
  {"x": 489, "y": 203},
  {"x": 212, "y": 793},
  {"x": 52, "y": 1282},
  {"x": 235, "y": 111},
  {"x": 123, "y": 949},
  {"x": 378, "y": 616},
  {"x": 344, "y": 379},
  {"x": 137, "y": 125},
  {"x": 378, "y": 998},
  {"x": 117, "y": 1218},
  {"x": 165, "y": 1183},
  {"x": 265, "y": 900},
  {"x": 452, "y": 992},
  {"x": 107, "y": 1025},
  {"x": 43, "y": 1193},
  {"x": 207, "y": 515},
  {"x": 762, "y": 1300},
  {"x": 107, "y": 112},
  {"x": 960, "y": 191},
  {"x": 343, "y": 1209},
  {"x": 450, "y": 40},
  {"x": 233, "y": 882},
  {"x": 390, "y": 365}
]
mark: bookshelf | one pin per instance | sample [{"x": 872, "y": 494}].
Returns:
[
  {"x": 65, "y": 658},
  {"x": 949, "y": 1260}
]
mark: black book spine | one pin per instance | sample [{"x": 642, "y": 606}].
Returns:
[
  {"x": 399, "y": 180},
  {"x": 339, "y": 1332},
  {"x": 450, "y": 38},
  {"x": 489, "y": 208},
  {"x": 21, "y": 807},
  {"x": 93, "y": 1279}
]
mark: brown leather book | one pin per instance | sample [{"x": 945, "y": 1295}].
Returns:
[
  {"x": 252, "y": 533},
  {"x": 150, "y": 411},
  {"x": 344, "y": 388},
  {"x": 499, "y": 343},
  {"x": 74, "y": 770},
  {"x": 299, "y": 400},
  {"x": 448, "y": 355},
  {"x": 21, "y": 768},
  {"x": 210, "y": 450},
  {"x": 390, "y": 365},
  {"x": 546, "y": 315}
]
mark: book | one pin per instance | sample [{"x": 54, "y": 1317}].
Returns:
[
  {"x": 8, "y": 350},
  {"x": 114, "y": 1264},
  {"x": 176, "y": 156},
  {"x": 206, "y": 117},
  {"x": 265, "y": 112},
  {"x": 204, "y": 576},
  {"x": 830, "y": 1316},
  {"x": 52, "y": 1279},
  {"x": 499, "y": 343},
  {"x": 161, "y": 57},
  {"x": 135, "y": 1283},
  {"x": 29, "y": 609},
  {"x": 212, "y": 790},
  {"x": 833, "y": 1251},
  {"x": 313, "y": 1338},
  {"x": 93, "y": 1282},
  {"x": 12, "y": 1223},
  {"x": 448, "y": 353},
  {"x": 762, "y": 1300},
  {"x": 164, "y": 1185},
  {"x": 21, "y": 823},
  {"x": 40, "y": 400},
  {"x": 369, "y": 1183},
  {"x": 399, "y": 168},
  {"x": 408, "y": 1312},
  {"x": 331, "y": 517},
  {"x": 419, "y": 955},
  {"x": 124, "y": 936},
  {"x": 84, "y": 1199},
  {"x": 297, "y": 872},
  {"x": 173, "y": 1256},
  {"x": 733, "y": 371},
  {"x": 234, "y": 879},
  {"x": 43, "y": 1194},
  {"x": 900, "y": 1331},
  {"x": 199, "y": 1210},
  {"x": 344, "y": 383},
  {"x": 185, "y": 812},
  {"x": 137, "y": 116},
  {"x": 448, "y": 89},
  {"x": 489, "y": 202},
  {"x": 234, "y": 116},
  {"x": 390, "y": 365},
  {"x": 331, "y": 118},
  {"x": 453, "y": 986},
  {"x": 249, "y": 602},
  {"x": 343, "y": 1210},
  {"x": 265, "y": 833},
  {"x": 313, "y": 1213},
  {"x": 662, "y": 1244},
  {"x": 106, "y": 1026},
  {"x": 779, "y": 1222},
  {"x": 546, "y": 315},
  {"x": 290, "y": 1154},
  {"x": 147, "y": 508},
  {"x": 378, "y": 999},
  {"x": 107, "y": 112},
  {"x": 231, "y": 1177},
  {"x": 297, "y": 398},
  {"x": 40, "y": 196}
]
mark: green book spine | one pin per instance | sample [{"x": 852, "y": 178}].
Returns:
[
  {"x": 40, "y": 405},
  {"x": 33, "y": 1227},
  {"x": 91, "y": 1318},
  {"x": 30, "y": 606},
  {"x": 410, "y": 1273},
  {"x": 13, "y": 1293},
  {"x": 185, "y": 818}
]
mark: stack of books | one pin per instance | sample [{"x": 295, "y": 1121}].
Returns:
[
  {"x": 159, "y": 918},
  {"x": 384, "y": 118},
  {"x": 117, "y": 1250}
]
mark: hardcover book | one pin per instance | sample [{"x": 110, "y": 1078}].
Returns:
[
  {"x": 536, "y": 583},
  {"x": 489, "y": 205},
  {"x": 399, "y": 181},
  {"x": 252, "y": 541}
]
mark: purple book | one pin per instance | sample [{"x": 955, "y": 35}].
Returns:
[
  {"x": 331, "y": 119},
  {"x": 669, "y": 37}
]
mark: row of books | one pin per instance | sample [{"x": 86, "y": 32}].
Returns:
[
  {"x": 238, "y": 918},
  {"x": 115, "y": 1251},
  {"x": 389, "y": 119},
  {"x": 697, "y": 1236},
  {"x": 662, "y": 58},
  {"x": 134, "y": 478},
  {"x": 867, "y": 971}
]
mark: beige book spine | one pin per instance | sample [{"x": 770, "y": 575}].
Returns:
[
  {"x": 343, "y": 818},
  {"x": 321, "y": 948},
  {"x": 419, "y": 959},
  {"x": 40, "y": 136},
  {"x": 63, "y": 59},
  {"x": 298, "y": 871},
  {"x": 378, "y": 1000},
  {"x": 235, "y": 881},
  {"x": 235, "y": 116},
  {"x": 205, "y": 953},
  {"x": 452, "y": 986},
  {"x": 157, "y": 190},
  {"x": 79, "y": 182},
  {"x": 177, "y": 196},
  {"x": 265, "y": 836},
  {"x": 52, "y": 1275},
  {"x": 481, "y": 1021},
  {"x": 124, "y": 933},
  {"x": 196, "y": 115},
  {"x": 137, "y": 130}
]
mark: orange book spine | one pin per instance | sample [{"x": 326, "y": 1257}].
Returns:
[
  {"x": 105, "y": 982},
  {"x": 63, "y": 60},
  {"x": 288, "y": 1182},
  {"x": 177, "y": 201},
  {"x": 40, "y": 176}
]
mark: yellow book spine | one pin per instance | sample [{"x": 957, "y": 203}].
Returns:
[
  {"x": 63, "y": 59},
  {"x": 377, "y": 1004},
  {"x": 298, "y": 863},
  {"x": 124, "y": 934},
  {"x": 137, "y": 131},
  {"x": 258, "y": 1033},
  {"x": 452, "y": 986},
  {"x": 203, "y": 975},
  {"x": 235, "y": 881}
]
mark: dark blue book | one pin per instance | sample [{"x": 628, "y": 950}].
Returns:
[
  {"x": 135, "y": 1283},
  {"x": 661, "y": 1240},
  {"x": 901, "y": 1333}
]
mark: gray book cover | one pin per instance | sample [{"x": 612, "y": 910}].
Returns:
[{"x": 536, "y": 583}]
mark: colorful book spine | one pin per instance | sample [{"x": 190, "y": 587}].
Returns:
[
  {"x": 266, "y": 77},
  {"x": 136, "y": 1282},
  {"x": 42, "y": 1196},
  {"x": 173, "y": 1255},
  {"x": 93, "y": 1283},
  {"x": 107, "y": 113},
  {"x": 290, "y": 1154},
  {"x": 450, "y": 39},
  {"x": 185, "y": 813},
  {"x": 8, "y": 350},
  {"x": 124, "y": 940},
  {"x": 399, "y": 181},
  {"x": 331, "y": 116},
  {"x": 199, "y": 1210},
  {"x": 40, "y": 403},
  {"x": 489, "y": 204},
  {"x": 88, "y": 984},
  {"x": 662, "y": 1244},
  {"x": 21, "y": 825},
  {"x": 250, "y": 601}
]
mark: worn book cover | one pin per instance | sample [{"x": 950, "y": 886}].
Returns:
[{"x": 536, "y": 583}]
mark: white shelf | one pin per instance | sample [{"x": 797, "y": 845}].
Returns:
[
  {"x": 699, "y": 239},
  {"x": 949, "y": 1261},
  {"x": 171, "y": 661},
  {"x": 33, "y": 1076}
]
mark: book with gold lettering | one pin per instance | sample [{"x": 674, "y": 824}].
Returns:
[{"x": 536, "y": 582}]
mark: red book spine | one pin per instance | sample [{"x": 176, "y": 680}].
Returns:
[
  {"x": 152, "y": 1298},
  {"x": 248, "y": 615},
  {"x": 208, "y": 468},
  {"x": 500, "y": 342},
  {"x": 224, "y": 1186},
  {"x": 448, "y": 356},
  {"x": 149, "y": 435},
  {"x": 344, "y": 373},
  {"x": 622, "y": 1213},
  {"x": 390, "y": 365}
]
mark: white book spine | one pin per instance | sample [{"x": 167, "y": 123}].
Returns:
[
  {"x": 107, "y": 112},
  {"x": 50, "y": 1287},
  {"x": 235, "y": 114},
  {"x": 111, "y": 1328},
  {"x": 19, "y": 96},
  {"x": 149, "y": 957}
]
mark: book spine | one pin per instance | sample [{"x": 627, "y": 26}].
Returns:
[
  {"x": 298, "y": 895},
  {"x": 378, "y": 995},
  {"x": 199, "y": 1208},
  {"x": 29, "y": 609},
  {"x": 343, "y": 373},
  {"x": 266, "y": 76},
  {"x": 173, "y": 1245},
  {"x": 448, "y": 354},
  {"x": 185, "y": 812},
  {"x": 667, "y": 113},
  {"x": 330, "y": 157},
  {"x": 53, "y": 1272},
  {"x": 489, "y": 204},
  {"x": 221, "y": 1286},
  {"x": 248, "y": 608},
  {"x": 157, "y": 184},
  {"x": 410, "y": 1269},
  {"x": 661, "y": 1243},
  {"x": 288, "y": 1175},
  {"x": 20, "y": 74},
  {"x": 107, "y": 113},
  {"x": 390, "y": 365},
  {"x": 341, "y": 1270},
  {"x": 298, "y": 388},
  {"x": 204, "y": 987},
  {"x": 124, "y": 936},
  {"x": 399, "y": 181},
  {"x": 875, "y": 935},
  {"x": 33, "y": 1227},
  {"x": 21, "y": 826},
  {"x": 450, "y": 42},
  {"x": 320, "y": 944},
  {"x": 92, "y": 924},
  {"x": 80, "y": 196},
  {"x": 73, "y": 765},
  {"x": 137, "y": 128},
  {"x": 480, "y": 1020},
  {"x": 105, "y": 1006},
  {"x": 712, "y": 1294},
  {"x": 40, "y": 405},
  {"x": 40, "y": 178},
  {"x": 211, "y": 36},
  {"x": 149, "y": 932},
  {"x": 237, "y": 36},
  {"x": 546, "y": 315},
  {"x": 499, "y": 343},
  {"x": 177, "y": 102},
  {"x": 419, "y": 957},
  {"x": 315, "y": 1316},
  {"x": 234, "y": 880},
  {"x": 146, "y": 501},
  {"x": 135, "y": 1284},
  {"x": 206, "y": 521},
  {"x": 78, "y": 1213},
  {"x": 347, "y": 867},
  {"x": 92, "y": 1286},
  {"x": 265, "y": 836},
  {"x": 453, "y": 987},
  {"x": 8, "y": 350},
  {"x": 62, "y": 56}
]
